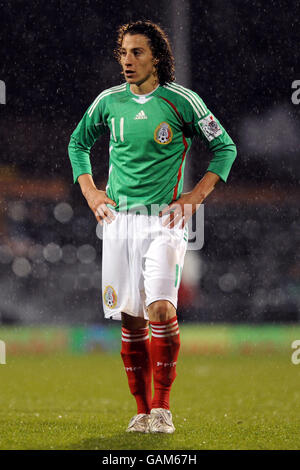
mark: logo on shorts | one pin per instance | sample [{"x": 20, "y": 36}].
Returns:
[
  {"x": 110, "y": 297},
  {"x": 163, "y": 133}
]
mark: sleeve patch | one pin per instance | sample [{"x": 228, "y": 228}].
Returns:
[{"x": 210, "y": 127}]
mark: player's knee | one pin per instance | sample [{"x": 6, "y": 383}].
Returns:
[
  {"x": 161, "y": 310},
  {"x": 133, "y": 323}
]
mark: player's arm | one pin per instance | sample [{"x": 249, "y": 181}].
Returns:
[
  {"x": 188, "y": 203},
  {"x": 90, "y": 128},
  {"x": 96, "y": 199},
  {"x": 224, "y": 153},
  {"x": 223, "y": 149}
]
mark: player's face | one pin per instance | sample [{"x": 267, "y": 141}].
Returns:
[{"x": 137, "y": 60}]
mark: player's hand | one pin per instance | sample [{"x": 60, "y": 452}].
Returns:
[
  {"x": 180, "y": 211},
  {"x": 97, "y": 201}
]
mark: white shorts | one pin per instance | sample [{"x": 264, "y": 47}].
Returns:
[{"x": 142, "y": 262}]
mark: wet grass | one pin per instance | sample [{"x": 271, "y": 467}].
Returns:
[{"x": 82, "y": 402}]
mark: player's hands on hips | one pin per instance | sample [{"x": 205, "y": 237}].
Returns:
[
  {"x": 97, "y": 201},
  {"x": 180, "y": 211}
]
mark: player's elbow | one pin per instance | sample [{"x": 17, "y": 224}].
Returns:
[
  {"x": 232, "y": 152},
  {"x": 71, "y": 145}
]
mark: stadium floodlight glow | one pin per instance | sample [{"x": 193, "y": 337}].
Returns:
[
  {"x": 52, "y": 252},
  {"x": 86, "y": 254},
  {"x": 21, "y": 267},
  {"x": 227, "y": 282},
  {"x": 35, "y": 253},
  {"x": 17, "y": 211},
  {"x": 63, "y": 212}
]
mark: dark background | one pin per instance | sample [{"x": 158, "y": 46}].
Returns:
[{"x": 56, "y": 57}]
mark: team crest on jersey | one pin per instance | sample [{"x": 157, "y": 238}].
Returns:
[
  {"x": 110, "y": 297},
  {"x": 163, "y": 133},
  {"x": 210, "y": 127}
]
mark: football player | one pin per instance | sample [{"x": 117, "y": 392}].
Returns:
[{"x": 152, "y": 121}]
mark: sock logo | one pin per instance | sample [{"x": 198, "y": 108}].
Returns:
[
  {"x": 166, "y": 364},
  {"x": 132, "y": 369}
]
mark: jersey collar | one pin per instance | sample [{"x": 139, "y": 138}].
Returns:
[{"x": 142, "y": 98}]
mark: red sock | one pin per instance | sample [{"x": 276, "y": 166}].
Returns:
[
  {"x": 165, "y": 344},
  {"x": 135, "y": 353}
]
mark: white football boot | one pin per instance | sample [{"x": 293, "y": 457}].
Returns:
[
  {"x": 161, "y": 421},
  {"x": 139, "y": 423}
]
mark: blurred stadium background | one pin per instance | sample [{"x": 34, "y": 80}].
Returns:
[{"x": 241, "y": 58}]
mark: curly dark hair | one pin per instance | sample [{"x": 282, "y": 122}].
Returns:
[{"x": 159, "y": 45}]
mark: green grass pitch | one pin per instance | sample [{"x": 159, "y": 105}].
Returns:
[{"x": 82, "y": 402}]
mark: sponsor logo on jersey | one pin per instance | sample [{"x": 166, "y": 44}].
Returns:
[
  {"x": 210, "y": 127},
  {"x": 110, "y": 297},
  {"x": 163, "y": 133},
  {"x": 141, "y": 115}
]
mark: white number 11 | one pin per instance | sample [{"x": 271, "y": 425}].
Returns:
[{"x": 121, "y": 129}]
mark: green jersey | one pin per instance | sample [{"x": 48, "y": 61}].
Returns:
[{"x": 150, "y": 137}]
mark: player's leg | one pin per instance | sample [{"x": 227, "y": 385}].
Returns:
[
  {"x": 165, "y": 345},
  {"x": 162, "y": 272},
  {"x": 120, "y": 293},
  {"x": 115, "y": 287},
  {"x": 135, "y": 354}
]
